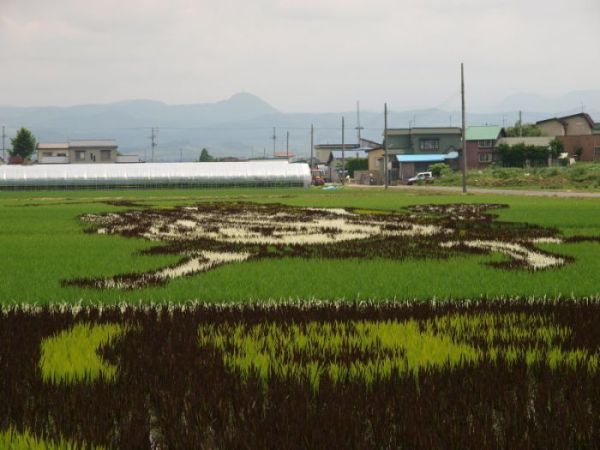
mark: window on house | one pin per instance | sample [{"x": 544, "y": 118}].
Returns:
[
  {"x": 487, "y": 143},
  {"x": 80, "y": 155},
  {"x": 105, "y": 155},
  {"x": 429, "y": 144},
  {"x": 62, "y": 154},
  {"x": 485, "y": 157},
  {"x": 47, "y": 154}
]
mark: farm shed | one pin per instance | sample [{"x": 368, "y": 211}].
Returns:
[{"x": 108, "y": 176}]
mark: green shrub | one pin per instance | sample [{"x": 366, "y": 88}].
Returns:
[
  {"x": 439, "y": 169},
  {"x": 578, "y": 174}
]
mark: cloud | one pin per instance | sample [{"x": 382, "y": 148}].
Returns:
[{"x": 308, "y": 55}]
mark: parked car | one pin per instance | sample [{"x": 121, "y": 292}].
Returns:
[{"x": 426, "y": 177}]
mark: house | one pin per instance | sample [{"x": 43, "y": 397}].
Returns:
[
  {"x": 78, "y": 152},
  {"x": 574, "y": 125},
  {"x": 578, "y": 133},
  {"x": 413, "y": 150},
  {"x": 283, "y": 155},
  {"x": 323, "y": 151},
  {"x": 339, "y": 157},
  {"x": 482, "y": 143}
]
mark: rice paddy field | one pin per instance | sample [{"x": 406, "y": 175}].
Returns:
[{"x": 289, "y": 318}]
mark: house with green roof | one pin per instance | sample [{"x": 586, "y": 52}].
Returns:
[
  {"x": 482, "y": 143},
  {"x": 413, "y": 150}
]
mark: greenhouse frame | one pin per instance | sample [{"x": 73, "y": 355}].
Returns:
[{"x": 156, "y": 175}]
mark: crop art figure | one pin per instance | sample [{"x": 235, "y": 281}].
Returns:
[{"x": 210, "y": 235}]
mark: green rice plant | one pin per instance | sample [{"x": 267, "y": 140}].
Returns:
[
  {"x": 71, "y": 356},
  {"x": 44, "y": 226},
  {"x": 361, "y": 351},
  {"x": 366, "y": 351},
  {"x": 13, "y": 440},
  {"x": 533, "y": 383},
  {"x": 534, "y": 338}
]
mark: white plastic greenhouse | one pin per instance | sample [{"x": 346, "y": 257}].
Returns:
[{"x": 106, "y": 176}]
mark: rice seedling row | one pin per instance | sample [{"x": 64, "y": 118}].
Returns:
[{"x": 511, "y": 373}]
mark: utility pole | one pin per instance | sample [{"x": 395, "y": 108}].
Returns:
[
  {"x": 520, "y": 123},
  {"x": 153, "y": 141},
  {"x": 287, "y": 145},
  {"x": 358, "y": 127},
  {"x": 385, "y": 146},
  {"x": 343, "y": 152},
  {"x": 312, "y": 144},
  {"x": 274, "y": 137},
  {"x": 3, "y": 143},
  {"x": 464, "y": 128}
]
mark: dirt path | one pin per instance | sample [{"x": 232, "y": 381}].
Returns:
[{"x": 472, "y": 190}]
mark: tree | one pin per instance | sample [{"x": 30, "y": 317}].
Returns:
[
  {"x": 556, "y": 148},
  {"x": 205, "y": 156},
  {"x": 512, "y": 156},
  {"x": 353, "y": 164},
  {"x": 519, "y": 155},
  {"x": 23, "y": 144},
  {"x": 526, "y": 130}
]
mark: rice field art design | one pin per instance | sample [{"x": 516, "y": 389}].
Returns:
[
  {"x": 471, "y": 374},
  {"x": 209, "y": 235}
]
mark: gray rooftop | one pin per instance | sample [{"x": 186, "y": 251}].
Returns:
[
  {"x": 423, "y": 130},
  {"x": 348, "y": 154},
  {"x": 93, "y": 143}
]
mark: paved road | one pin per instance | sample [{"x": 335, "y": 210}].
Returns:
[{"x": 521, "y": 192}]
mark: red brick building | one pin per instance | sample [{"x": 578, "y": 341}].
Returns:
[
  {"x": 482, "y": 143},
  {"x": 578, "y": 132}
]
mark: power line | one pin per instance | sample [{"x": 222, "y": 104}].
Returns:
[
  {"x": 3, "y": 143},
  {"x": 464, "y": 129},
  {"x": 312, "y": 145},
  {"x": 358, "y": 127},
  {"x": 385, "y": 145},
  {"x": 153, "y": 143},
  {"x": 343, "y": 153}
]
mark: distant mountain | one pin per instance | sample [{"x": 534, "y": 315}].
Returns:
[
  {"x": 243, "y": 124},
  {"x": 568, "y": 103}
]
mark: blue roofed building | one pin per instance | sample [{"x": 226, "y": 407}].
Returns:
[{"x": 414, "y": 150}]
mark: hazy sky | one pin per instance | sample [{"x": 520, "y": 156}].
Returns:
[{"x": 299, "y": 55}]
